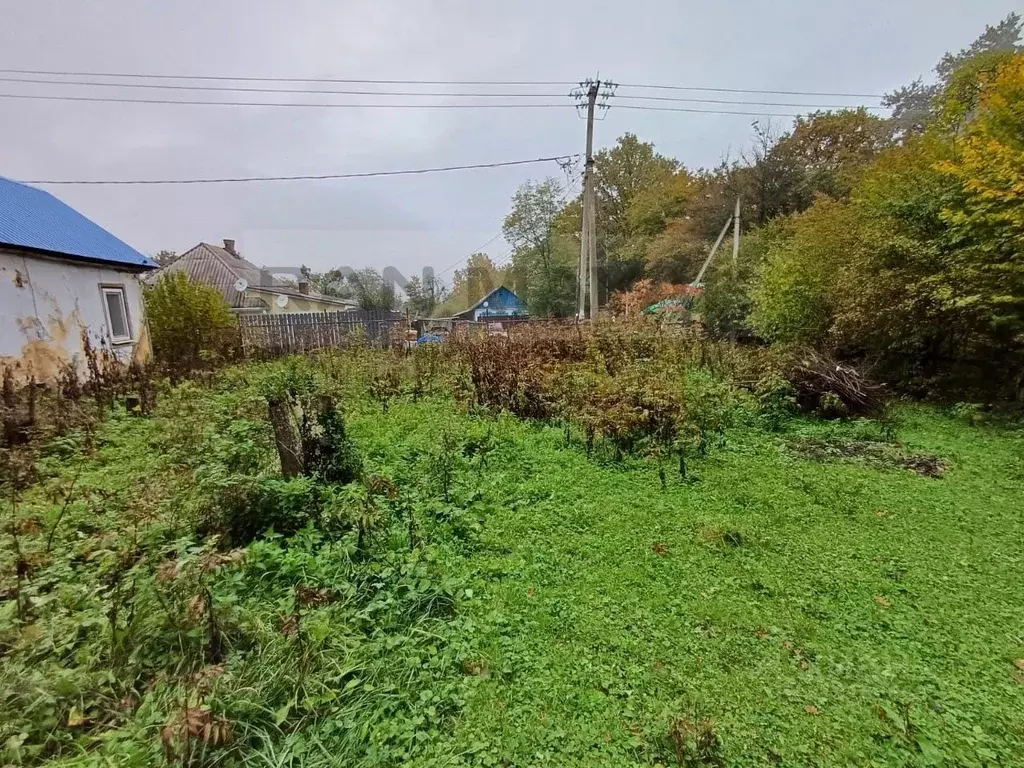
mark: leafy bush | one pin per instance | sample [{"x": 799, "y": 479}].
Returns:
[
  {"x": 284, "y": 505},
  {"x": 620, "y": 344},
  {"x": 327, "y": 452},
  {"x": 776, "y": 399},
  {"x": 190, "y": 324},
  {"x": 971, "y": 413}
]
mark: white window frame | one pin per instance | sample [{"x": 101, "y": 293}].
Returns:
[{"x": 119, "y": 290}]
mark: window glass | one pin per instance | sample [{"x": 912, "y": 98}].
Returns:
[{"x": 117, "y": 313}]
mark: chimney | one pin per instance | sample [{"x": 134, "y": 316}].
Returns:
[
  {"x": 304, "y": 286},
  {"x": 229, "y": 246}
]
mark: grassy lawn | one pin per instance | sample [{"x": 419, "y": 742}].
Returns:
[
  {"x": 815, "y": 613},
  {"x": 556, "y": 609}
]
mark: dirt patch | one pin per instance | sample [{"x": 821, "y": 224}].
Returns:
[{"x": 875, "y": 454}]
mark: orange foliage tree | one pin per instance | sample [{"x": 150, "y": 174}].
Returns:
[{"x": 644, "y": 293}]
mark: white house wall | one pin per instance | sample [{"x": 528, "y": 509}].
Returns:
[{"x": 46, "y": 303}]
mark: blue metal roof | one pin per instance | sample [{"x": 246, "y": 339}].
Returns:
[{"x": 32, "y": 218}]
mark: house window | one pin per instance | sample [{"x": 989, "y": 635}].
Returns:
[{"x": 116, "y": 306}]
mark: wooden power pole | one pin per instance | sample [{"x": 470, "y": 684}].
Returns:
[
  {"x": 736, "y": 237},
  {"x": 735, "y": 259},
  {"x": 588, "y": 234}
]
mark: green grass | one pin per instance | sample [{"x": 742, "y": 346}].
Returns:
[
  {"x": 815, "y": 614},
  {"x": 819, "y": 614}
]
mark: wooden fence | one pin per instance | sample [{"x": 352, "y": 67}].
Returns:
[{"x": 274, "y": 335}]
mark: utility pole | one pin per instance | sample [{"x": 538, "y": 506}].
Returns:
[
  {"x": 588, "y": 236},
  {"x": 583, "y": 268},
  {"x": 735, "y": 261},
  {"x": 736, "y": 237}
]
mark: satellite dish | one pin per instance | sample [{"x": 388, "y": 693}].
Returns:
[
  {"x": 241, "y": 285},
  {"x": 281, "y": 301},
  {"x": 486, "y": 304}
]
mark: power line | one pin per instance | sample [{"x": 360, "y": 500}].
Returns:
[
  {"x": 189, "y": 103},
  {"x": 420, "y": 94},
  {"x": 751, "y": 103},
  {"x": 710, "y": 111},
  {"x": 829, "y": 94},
  {"x": 250, "y": 79},
  {"x": 319, "y": 177},
  {"x": 563, "y": 200},
  {"x": 467, "y": 256},
  {"x": 356, "y": 81},
  {"x": 239, "y": 89},
  {"x": 320, "y": 105}
]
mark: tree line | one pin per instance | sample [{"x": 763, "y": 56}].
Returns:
[{"x": 895, "y": 240}]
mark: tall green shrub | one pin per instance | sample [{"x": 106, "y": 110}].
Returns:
[{"x": 190, "y": 324}]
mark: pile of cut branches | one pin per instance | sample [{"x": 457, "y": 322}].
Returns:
[{"x": 832, "y": 388}]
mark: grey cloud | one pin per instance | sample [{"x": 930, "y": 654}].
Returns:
[{"x": 868, "y": 46}]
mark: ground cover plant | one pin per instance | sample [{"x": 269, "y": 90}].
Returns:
[{"x": 559, "y": 547}]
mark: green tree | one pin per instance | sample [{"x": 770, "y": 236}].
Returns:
[
  {"x": 190, "y": 324},
  {"x": 165, "y": 258},
  {"x": 726, "y": 304},
  {"x": 771, "y": 182},
  {"x": 623, "y": 173},
  {"x": 987, "y": 215},
  {"x": 372, "y": 291},
  {"x": 424, "y": 299},
  {"x": 544, "y": 262},
  {"x": 479, "y": 277},
  {"x": 830, "y": 150},
  {"x": 794, "y": 295},
  {"x": 329, "y": 283}
]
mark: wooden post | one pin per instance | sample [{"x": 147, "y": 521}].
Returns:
[
  {"x": 736, "y": 237},
  {"x": 735, "y": 260},
  {"x": 286, "y": 437}
]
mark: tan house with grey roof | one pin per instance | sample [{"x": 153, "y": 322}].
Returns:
[{"x": 247, "y": 288}]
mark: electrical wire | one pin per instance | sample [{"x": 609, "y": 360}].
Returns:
[
  {"x": 750, "y": 103},
  {"x": 406, "y": 94},
  {"x": 709, "y": 111},
  {"x": 318, "y": 177},
  {"x": 318, "y": 105},
  {"x": 827, "y": 94},
  {"x": 467, "y": 256},
  {"x": 250, "y": 79},
  {"x": 190, "y": 103},
  {"x": 563, "y": 200},
  {"x": 300, "y": 91},
  {"x": 356, "y": 81}
]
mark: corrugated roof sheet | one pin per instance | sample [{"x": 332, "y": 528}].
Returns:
[
  {"x": 220, "y": 268},
  {"x": 32, "y": 218}
]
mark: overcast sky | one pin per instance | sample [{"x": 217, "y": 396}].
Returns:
[{"x": 862, "y": 46}]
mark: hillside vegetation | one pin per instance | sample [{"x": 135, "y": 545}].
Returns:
[{"x": 894, "y": 239}]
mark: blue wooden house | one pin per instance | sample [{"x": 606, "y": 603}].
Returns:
[{"x": 499, "y": 304}]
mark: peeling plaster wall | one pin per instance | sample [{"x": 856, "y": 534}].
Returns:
[{"x": 45, "y": 303}]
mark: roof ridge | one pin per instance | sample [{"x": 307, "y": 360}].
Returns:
[{"x": 213, "y": 252}]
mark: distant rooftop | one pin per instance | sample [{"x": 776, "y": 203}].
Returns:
[
  {"x": 34, "y": 219},
  {"x": 224, "y": 267}
]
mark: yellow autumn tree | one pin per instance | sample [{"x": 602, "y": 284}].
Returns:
[
  {"x": 987, "y": 216},
  {"x": 990, "y": 162}
]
